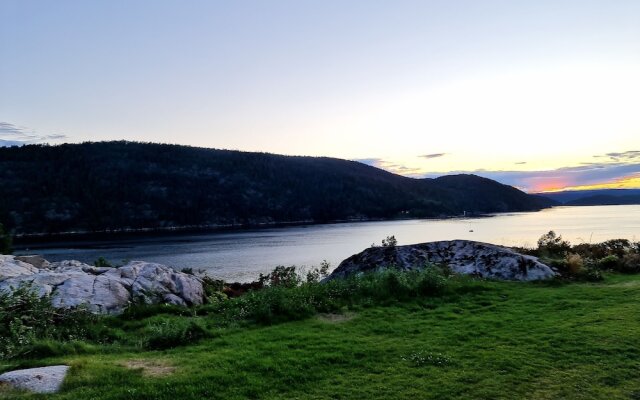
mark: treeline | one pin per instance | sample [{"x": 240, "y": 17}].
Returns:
[{"x": 125, "y": 185}]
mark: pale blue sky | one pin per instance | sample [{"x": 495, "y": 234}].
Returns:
[{"x": 495, "y": 85}]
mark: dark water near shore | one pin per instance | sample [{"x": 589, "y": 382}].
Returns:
[{"x": 242, "y": 255}]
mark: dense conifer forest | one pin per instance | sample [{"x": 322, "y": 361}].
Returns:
[{"x": 125, "y": 185}]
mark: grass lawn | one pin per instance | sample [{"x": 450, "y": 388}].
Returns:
[{"x": 488, "y": 340}]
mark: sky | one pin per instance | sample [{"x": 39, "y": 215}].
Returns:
[{"x": 541, "y": 95}]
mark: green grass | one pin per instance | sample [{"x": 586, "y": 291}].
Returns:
[{"x": 489, "y": 340}]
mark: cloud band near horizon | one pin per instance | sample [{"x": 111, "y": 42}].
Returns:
[
  {"x": 617, "y": 170},
  {"x": 14, "y": 135}
]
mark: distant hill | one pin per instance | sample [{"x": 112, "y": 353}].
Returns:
[
  {"x": 596, "y": 197},
  {"x": 123, "y": 185},
  {"x": 605, "y": 200}
]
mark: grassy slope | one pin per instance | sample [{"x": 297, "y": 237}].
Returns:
[{"x": 504, "y": 341}]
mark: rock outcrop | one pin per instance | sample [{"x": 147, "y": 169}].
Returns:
[
  {"x": 37, "y": 380},
  {"x": 462, "y": 256},
  {"x": 102, "y": 290}
]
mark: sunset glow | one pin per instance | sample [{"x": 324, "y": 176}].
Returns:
[{"x": 629, "y": 182}]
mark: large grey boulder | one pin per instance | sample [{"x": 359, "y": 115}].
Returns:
[
  {"x": 462, "y": 256},
  {"x": 10, "y": 267},
  {"x": 37, "y": 380},
  {"x": 103, "y": 290},
  {"x": 35, "y": 260}
]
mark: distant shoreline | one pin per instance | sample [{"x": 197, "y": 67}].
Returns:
[{"x": 43, "y": 239}]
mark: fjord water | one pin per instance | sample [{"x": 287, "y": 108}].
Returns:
[{"x": 242, "y": 255}]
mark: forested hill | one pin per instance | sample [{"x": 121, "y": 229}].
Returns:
[{"x": 118, "y": 185}]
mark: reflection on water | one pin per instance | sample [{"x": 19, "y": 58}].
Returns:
[{"x": 243, "y": 255}]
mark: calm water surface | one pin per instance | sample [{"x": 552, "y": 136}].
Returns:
[{"x": 243, "y": 255}]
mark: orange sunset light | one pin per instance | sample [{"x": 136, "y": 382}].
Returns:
[{"x": 626, "y": 182}]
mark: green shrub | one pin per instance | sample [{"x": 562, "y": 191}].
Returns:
[
  {"x": 166, "y": 334},
  {"x": 431, "y": 282},
  {"x": 102, "y": 262},
  {"x": 389, "y": 241},
  {"x": 610, "y": 262},
  {"x": 615, "y": 247},
  {"x": 213, "y": 289},
  {"x": 277, "y": 303},
  {"x": 392, "y": 285},
  {"x": 373, "y": 288},
  {"x": 318, "y": 273},
  {"x": 25, "y": 317},
  {"x": 551, "y": 245},
  {"x": 590, "y": 273},
  {"x": 281, "y": 276},
  {"x": 630, "y": 263},
  {"x": 559, "y": 264}
]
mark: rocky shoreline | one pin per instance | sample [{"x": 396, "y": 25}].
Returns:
[
  {"x": 103, "y": 290},
  {"x": 108, "y": 290}
]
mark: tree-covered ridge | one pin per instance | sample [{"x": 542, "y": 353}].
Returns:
[{"x": 116, "y": 185}]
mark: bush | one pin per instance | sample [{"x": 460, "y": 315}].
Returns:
[
  {"x": 389, "y": 241},
  {"x": 282, "y": 303},
  {"x": 25, "y": 318},
  {"x": 610, "y": 262},
  {"x": 166, "y": 334},
  {"x": 318, "y": 273},
  {"x": 551, "y": 244},
  {"x": 630, "y": 263},
  {"x": 590, "y": 273},
  {"x": 574, "y": 263},
  {"x": 213, "y": 289},
  {"x": 281, "y": 276},
  {"x": 102, "y": 262},
  {"x": 615, "y": 247},
  {"x": 277, "y": 303},
  {"x": 431, "y": 282}
]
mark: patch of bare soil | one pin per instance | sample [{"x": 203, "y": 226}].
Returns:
[{"x": 151, "y": 368}]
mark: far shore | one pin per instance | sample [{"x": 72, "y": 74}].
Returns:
[{"x": 43, "y": 239}]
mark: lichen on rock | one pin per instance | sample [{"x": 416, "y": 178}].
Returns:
[{"x": 461, "y": 256}]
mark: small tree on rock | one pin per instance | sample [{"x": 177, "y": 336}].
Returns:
[{"x": 389, "y": 241}]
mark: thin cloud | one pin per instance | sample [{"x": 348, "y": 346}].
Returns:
[
  {"x": 625, "y": 156},
  {"x": 434, "y": 155},
  {"x": 14, "y": 135},
  {"x": 521, "y": 163},
  {"x": 391, "y": 167}
]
